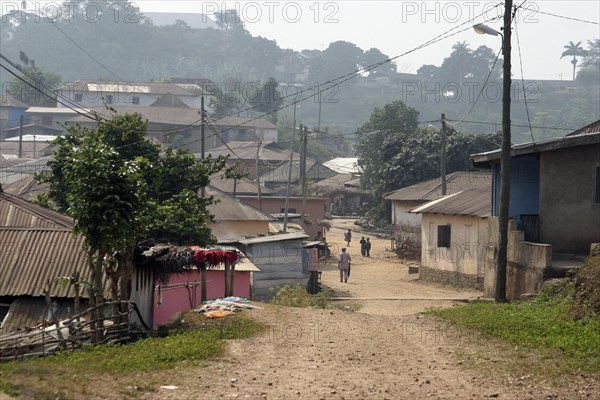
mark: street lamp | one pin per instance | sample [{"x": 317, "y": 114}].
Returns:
[{"x": 500, "y": 290}]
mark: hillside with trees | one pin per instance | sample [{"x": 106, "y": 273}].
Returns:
[{"x": 342, "y": 84}]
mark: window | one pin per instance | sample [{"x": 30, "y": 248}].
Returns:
[
  {"x": 78, "y": 97},
  {"x": 135, "y": 100},
  {"x": 443, "y": 236},
  {"x": 597, "y": 192},
  {"x": 109, "y": 99},
  {"x": 46, "y": 119}
]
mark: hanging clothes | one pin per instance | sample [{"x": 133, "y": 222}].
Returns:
[{"x": 214, "y": 256}]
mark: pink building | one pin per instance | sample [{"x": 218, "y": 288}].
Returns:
[{"x": 183, "y": 293}]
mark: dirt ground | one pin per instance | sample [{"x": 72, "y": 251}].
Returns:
[{"x": 385, "y": 350}]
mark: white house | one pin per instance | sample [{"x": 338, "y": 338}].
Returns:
[
  {"x": 455, "y": 233},
  {"x": 88, "y": 93}
]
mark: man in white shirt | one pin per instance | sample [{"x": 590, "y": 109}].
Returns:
[{"x": 344, "y": 265}]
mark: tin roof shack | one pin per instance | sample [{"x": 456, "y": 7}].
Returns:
[
  {"x": 37, "y": 247},
  {"x": 454, "y": 234},
  {"x": 183, "y": 290},
  {"x": 408, "y": 224},
  {"x": 279, "y": 258}
]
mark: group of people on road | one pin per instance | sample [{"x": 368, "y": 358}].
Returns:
[{"x": 345, "y": 259}]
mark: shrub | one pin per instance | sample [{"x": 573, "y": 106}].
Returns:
[
  {"x": 587, "y": 290},
  {"x": 297, "y": 296}
]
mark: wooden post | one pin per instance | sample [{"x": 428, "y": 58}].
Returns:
[
  {"x": 232, "y": 279},
  {"x": 203, "y": 282},
  {"x": 226, "y": 263}
]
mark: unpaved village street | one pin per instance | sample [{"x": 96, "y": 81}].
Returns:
[{"x": 385, "y": 350}]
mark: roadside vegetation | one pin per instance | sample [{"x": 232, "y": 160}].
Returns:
[
  {"x": 297, "y": 296},
  {"x": 562, "y": 319},
  {"x": 192, "y": 340}
]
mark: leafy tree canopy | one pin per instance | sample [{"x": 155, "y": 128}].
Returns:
[{"x": 394, "y": 152}]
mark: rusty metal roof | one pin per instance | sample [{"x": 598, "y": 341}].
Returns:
[
  {"x": 32, "y": 257},
  {"x": 242, "y": 186},
  {"x": 432, "y": 189},
  {"x": 19, "y": 213},
  {"x": 594, "y": 127},
  {"x": 37, "y": 247},
  {"x": 476, "y": 202},
  {"x": 230, "y": 209}
]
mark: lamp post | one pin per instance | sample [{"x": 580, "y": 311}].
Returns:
[{"x": 500, "y": 290}]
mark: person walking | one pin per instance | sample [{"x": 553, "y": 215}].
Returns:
[
  {"x": 368, "y": 248},
  {"x": 348, "y": 237},
  {"x": 344, "y": 265},
  {"x": 363, "y": 247}
]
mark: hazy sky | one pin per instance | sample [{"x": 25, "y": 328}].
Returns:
[{"x": 396, "y": 27}]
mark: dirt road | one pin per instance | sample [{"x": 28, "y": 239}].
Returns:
[{"x": 383, "y": 351}]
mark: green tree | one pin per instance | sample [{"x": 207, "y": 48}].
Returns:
[
  {"x": 34, "y": 86},
  {"x": 393, "y": 152},
  {"x": 575, "y": 50},
  {"x": 592, "y": 58},
  {"x": 120, "y": 189}
]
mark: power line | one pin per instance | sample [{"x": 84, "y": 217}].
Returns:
[
  {"x": 562, "y": 16},
  {"x": 523, "y": 81},
  {"x": 84, "y": 50}
]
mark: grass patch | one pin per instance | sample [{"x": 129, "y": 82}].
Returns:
[
  {"x": 297, "y": 296},
  {"x": 196, "y": 339},
  {"x": 544, "y": 323}
]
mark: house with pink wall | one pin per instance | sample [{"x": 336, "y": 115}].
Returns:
[{"x": 183, "y": 291}]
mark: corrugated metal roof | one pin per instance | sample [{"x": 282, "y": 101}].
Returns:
[
  {"x": 274, "y": 238},
  {"x": 121, "y": 87},
  {"x": 432, "y": 189},
  {"x": 31, "y": 257},
  {"x": 15, "y": 212},
  {"x": 156, "y": 115},
  {"x": 231, "y": 209},
  {"x": 27, "y": 188},
  {"x": 315, "y": 171},
  {"x": 581, "y": 139},
  {"x": 344, "y": 165},
  {"x": 594, "y": 127},
  {"x": 242, "y": 186},
  {"x": 475, "y": 202},
  {"x": 247, "y": 151},
  {"x": 258, "y": 123},
  {"x": 9, "y": 101}
]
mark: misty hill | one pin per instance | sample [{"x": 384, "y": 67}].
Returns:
[{"x": 128, "y": 46}]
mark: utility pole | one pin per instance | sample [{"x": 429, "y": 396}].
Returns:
[
  {"x": 304, "y": 171},
  {"x": 34, "y": 147},
  {"x": 319, "y": 120},
  {"x": 258, "y": 175},
  {"x": 202, "y": 117},
  {"x": 287, "y": 192},
  {"x": 505, "y": 170},
  {"x": 21, "y": 136},
  {"x": 443, "y": 155}
]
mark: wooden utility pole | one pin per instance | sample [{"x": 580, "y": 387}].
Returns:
[
  {"x": 21, "y": 136},
  {"x": 505, "y": 170},
  {"x": 258, "y": 175},
  {"x": 304, "y": 171},
  {"x": 443, "y": 155},
  {"x": 287, "y": 191},
  {"x": 202, "y": 117}
]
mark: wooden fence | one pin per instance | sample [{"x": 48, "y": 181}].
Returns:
[{"x": 96, "y": 325}]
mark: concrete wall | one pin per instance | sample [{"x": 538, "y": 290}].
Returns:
[
  {"x": 315, "y": 208},
  {"x": 176, "y": 297},
  {"x": 464, "y": 258},
  {"x": 569, "y": 219},
  {"x": 527, "y": 264},
  {"x": 525, "y": 187},
  {"x": 402, "y": 217}
]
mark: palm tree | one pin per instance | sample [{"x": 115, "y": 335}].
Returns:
[{"x": 575, "y": 50}]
